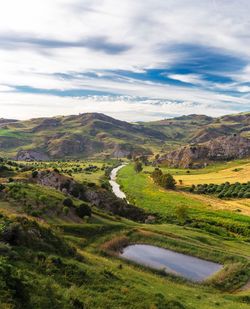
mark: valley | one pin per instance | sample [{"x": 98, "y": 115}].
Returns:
[{"x": 62, "y": 232}]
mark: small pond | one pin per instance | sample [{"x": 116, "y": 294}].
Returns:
[{"x": 187, "y": 266}]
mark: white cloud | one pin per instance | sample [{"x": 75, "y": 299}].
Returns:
[
  {"x": 187, "y": 78},
  {"x": 122, "y": 107},
  {"x": 148, "y": 28}
]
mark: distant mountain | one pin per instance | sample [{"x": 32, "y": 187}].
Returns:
[
  {"x": 95, "y": 135},
  {"x": 84, "y": 135}
]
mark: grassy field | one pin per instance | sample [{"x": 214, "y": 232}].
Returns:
[
  {"x": 239, "y": 173},
  {"x": 142, "y": 192},
  {"x": 218, "y": 172}
]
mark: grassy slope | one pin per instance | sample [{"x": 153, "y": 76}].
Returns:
[
  {"x": 103, "y": 281},
  {"x": 99, "y": 281}
]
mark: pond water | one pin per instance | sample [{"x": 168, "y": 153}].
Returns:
[
  {"x": 171, "y": 262},
  {"x": 115, "y": 186}
]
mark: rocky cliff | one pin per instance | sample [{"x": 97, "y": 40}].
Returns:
[{"x": 199, "y": 155}]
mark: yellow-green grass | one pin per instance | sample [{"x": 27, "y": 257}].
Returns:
[
  {"x": 142, "y": 191},
  {"x": 241, "y": 173},
  {"x": 211, "y": 211}
]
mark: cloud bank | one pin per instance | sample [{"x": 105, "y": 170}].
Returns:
[{"x": 139, "y": 60}]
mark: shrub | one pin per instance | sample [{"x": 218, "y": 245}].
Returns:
[
  {"x": 182, "y": 214},
  {"x": 65, "y": 210},
  {"x": 77, "y": 190},
  {"x": 34, "y": 174},
  {"x": 83, "y": 210},
  {"x": 68, "y": 202}
]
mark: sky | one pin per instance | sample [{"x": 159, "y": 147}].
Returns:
[{"x": 135, "y": 60}]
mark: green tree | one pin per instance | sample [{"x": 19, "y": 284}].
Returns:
[
  {"x": 138, "y": 167},
  {"x": 167, "y": 181},
  {"x": 83, "y": 210},
  {"x": 156, "y": 175}
]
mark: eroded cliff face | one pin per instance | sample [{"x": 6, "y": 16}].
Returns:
[
  {"x": 31, "y": 155},
  {"x": 199, "y": 155}
]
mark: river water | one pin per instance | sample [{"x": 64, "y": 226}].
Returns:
[{"x": 115, "y": 186}]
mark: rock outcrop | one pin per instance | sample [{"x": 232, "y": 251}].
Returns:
[
  {"x": 199, "y": 155},
  {"x": 98, "y": 197},
  {"x": 31, "y": 155}
]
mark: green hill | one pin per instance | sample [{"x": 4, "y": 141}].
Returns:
[{"x": 98, "y": 135}]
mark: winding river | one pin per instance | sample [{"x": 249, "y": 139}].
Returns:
[{"x": 115, "y": 186}]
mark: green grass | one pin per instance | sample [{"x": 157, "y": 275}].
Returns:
[
  {"x": 12, "y": 133},
  {"x": 142, "y": 192},
  {"x": 97, "y": 279}
]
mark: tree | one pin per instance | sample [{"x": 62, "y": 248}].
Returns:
[
  {"x": 156, "y": 175},
  {"x": 83, "y": 210},
  {"x": 167, "y": 181},
  {"x": 138, "y": 167}
]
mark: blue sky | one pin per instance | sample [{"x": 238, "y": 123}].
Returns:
[{"x": 139, "y": 60}]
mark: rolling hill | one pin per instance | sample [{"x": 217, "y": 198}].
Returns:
[{"x": 98, "y": 135}]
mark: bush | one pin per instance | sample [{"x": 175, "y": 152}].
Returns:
[
  {"x": 68, "y": 202},
  {"x": 65, "y": 210},
  {"x": 34, "y": 174},
  {"x": 84, "y": 210},
  {"x": 182, "y": 214}
]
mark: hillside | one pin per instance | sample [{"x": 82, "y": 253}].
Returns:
[
  {"x": 76, "y": 136},
  {"x": 222, "y": 148},
  {"x": 60, "y": 240},
  {"x": 98, "y": 135}
]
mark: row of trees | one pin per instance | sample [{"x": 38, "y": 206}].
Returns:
[{"x": 224, "y": 190}]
